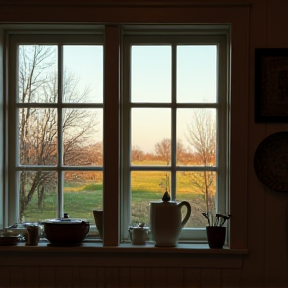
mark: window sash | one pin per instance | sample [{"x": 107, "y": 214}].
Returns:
[
  {"x": 187, "y": 36},
  {"x": 59, "y": 38}
]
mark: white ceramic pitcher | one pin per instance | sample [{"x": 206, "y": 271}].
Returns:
[{"x": 166, "y": 221}]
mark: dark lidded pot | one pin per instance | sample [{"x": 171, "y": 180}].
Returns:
[{"x": 66, "y": 231}]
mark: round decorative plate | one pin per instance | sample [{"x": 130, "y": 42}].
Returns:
[{"x": 271, "y": 161}]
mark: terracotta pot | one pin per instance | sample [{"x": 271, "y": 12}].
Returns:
[{"x": 66, "y": 231}]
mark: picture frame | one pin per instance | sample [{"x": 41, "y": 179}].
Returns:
[{"x": 271, "y": 85}]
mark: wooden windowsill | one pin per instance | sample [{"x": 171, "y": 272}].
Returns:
[{"x": 124, "y": 255}]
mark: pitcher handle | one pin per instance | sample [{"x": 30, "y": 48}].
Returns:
[{"x": 188, "y": 214}]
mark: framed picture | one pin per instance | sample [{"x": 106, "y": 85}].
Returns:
[{"x": 271, "y": 85}]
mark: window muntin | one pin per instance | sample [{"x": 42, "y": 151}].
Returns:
[
  {"x": 192, "y": 119},
  {"x": 59, "y": 125}
]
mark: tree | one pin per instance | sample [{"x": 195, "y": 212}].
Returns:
[
  {"x": 163, "y": 150},
  {"x": 201, "y": 135},
  {"x": 38, "y": 127},
  {"x": 137, "y": 154}
]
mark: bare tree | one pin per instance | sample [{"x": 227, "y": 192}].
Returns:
[
  {"x": 201, "y": 135},
  {"x": 137, "y": 154},
  {"x": 163, "y": 150},
  {"x": 38, "y": 127}
]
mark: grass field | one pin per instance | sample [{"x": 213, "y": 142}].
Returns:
[{"x": 79, "y": 201}]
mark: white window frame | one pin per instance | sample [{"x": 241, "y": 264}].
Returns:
[
  {"x": 65, "y": 35},
  {"x": 129, "y": 31},
  {"x": 172, "y": 34}
]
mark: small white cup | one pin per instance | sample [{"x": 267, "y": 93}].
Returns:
[{"x": 138, "y": 236}]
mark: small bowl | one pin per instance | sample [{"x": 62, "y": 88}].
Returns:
[{"x": 9, "y": 240}]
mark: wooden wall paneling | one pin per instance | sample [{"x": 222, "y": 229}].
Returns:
[
  {"x": 137, "y": 277},
  {"x": 31, "y": 277},
  {"x": 47, "y": 277},
  {"x": 157, "y": 277},
  {"x": 111, "y": 277},
  {"x": 76, "y": 277},
  {"x": 253, "y": 271},
  {"x": 211, "y": 278},
  {"x": 276, "y": 263},
  {"x": 192, "y": 278},
  {"x": 175, "y": 277},
  {"x": 277, "y": 19},
  {"x": 4, "y": 277},
  {"x": 231, "y": 278},
  {"x": 275, "y": 240},
  {"x": 124, "y": 277},
  {"x": 17, "y": 277},
  {"x": 101, "y": 277},
  {"x": 63, "y": 277},
  {"x": 88, "y": 277}
]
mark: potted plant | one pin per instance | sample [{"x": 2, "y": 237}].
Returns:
[{"x": 215, "y": 230}]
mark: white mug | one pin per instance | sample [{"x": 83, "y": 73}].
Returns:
[{"x": 138, "y": 236}]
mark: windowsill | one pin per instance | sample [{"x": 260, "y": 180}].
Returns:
[
  {"x": 97, "y": 247},
  {"x": 125, "y": 255}
]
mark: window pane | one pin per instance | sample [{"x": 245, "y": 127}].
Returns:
[
  {"x": 37, "y": 195},
  {"x": 37, "y": 74},
  {"x": 151, "y": 74},
  {"x": 198, "y": 188},
  {"x": 83, "y": 74},
  {"x": 82, "y": 137},
  {"x": 196, "y": 134},
  {"x": 196, "y": 73},
  {"x": 38, "y": 136},
  {"x": 146, "y": 187},
  {"x": 83, "y": 192},
  {"x": 150, "y": 136}
]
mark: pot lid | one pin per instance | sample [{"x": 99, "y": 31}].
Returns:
[{"x": 65, "y": 221}]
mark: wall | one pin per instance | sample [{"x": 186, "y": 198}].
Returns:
[{"x": 266, "y": 263}]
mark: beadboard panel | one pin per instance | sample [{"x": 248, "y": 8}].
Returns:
[{"x": 115, "y": 277}]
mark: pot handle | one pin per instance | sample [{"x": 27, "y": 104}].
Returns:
[{"x": 188, "y": 214}]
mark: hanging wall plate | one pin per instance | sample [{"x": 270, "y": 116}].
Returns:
[{"x": 271, "y": 161}]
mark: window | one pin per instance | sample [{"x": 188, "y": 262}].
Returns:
[
  {"x": 175, "y": 104},
  {"x": 56, "y": 122},
  {"x": 173, "y": 127}
]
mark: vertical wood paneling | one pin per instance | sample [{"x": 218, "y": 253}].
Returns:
[
  {"x": 137, "y": 277},
  {"x": 124, "y": 278},
  {"x": 211, "y": 278},
  {"x": 192, "y": 278},
  {"x": 101, "y": 277},
  {"x": 88, "y": 277},
  {"x": 276, "y": 265},
  {"x": 253, "y": 271},
  {"x": 64, "y": 277},
  {"x": 231, "y": 278},
  {"x": 175, "y": 277},
  {"x": 276, "y": 260},
  {"x": 277, "y": 20},
  {"x": 157, "y": 278},
  {"x": 75, "y": 277},
  {"x": 4, "y": 277},
  {"x": 111, "y": 277},
  {"x": 47, "y": 277},
  {"x": 31, "y": 277},
  {"x": 17, "y": 277}
]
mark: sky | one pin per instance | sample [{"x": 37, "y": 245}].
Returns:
[{"x": 151, "y": 82}]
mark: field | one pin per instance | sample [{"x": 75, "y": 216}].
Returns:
[{"x": 79, "y": 201}]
